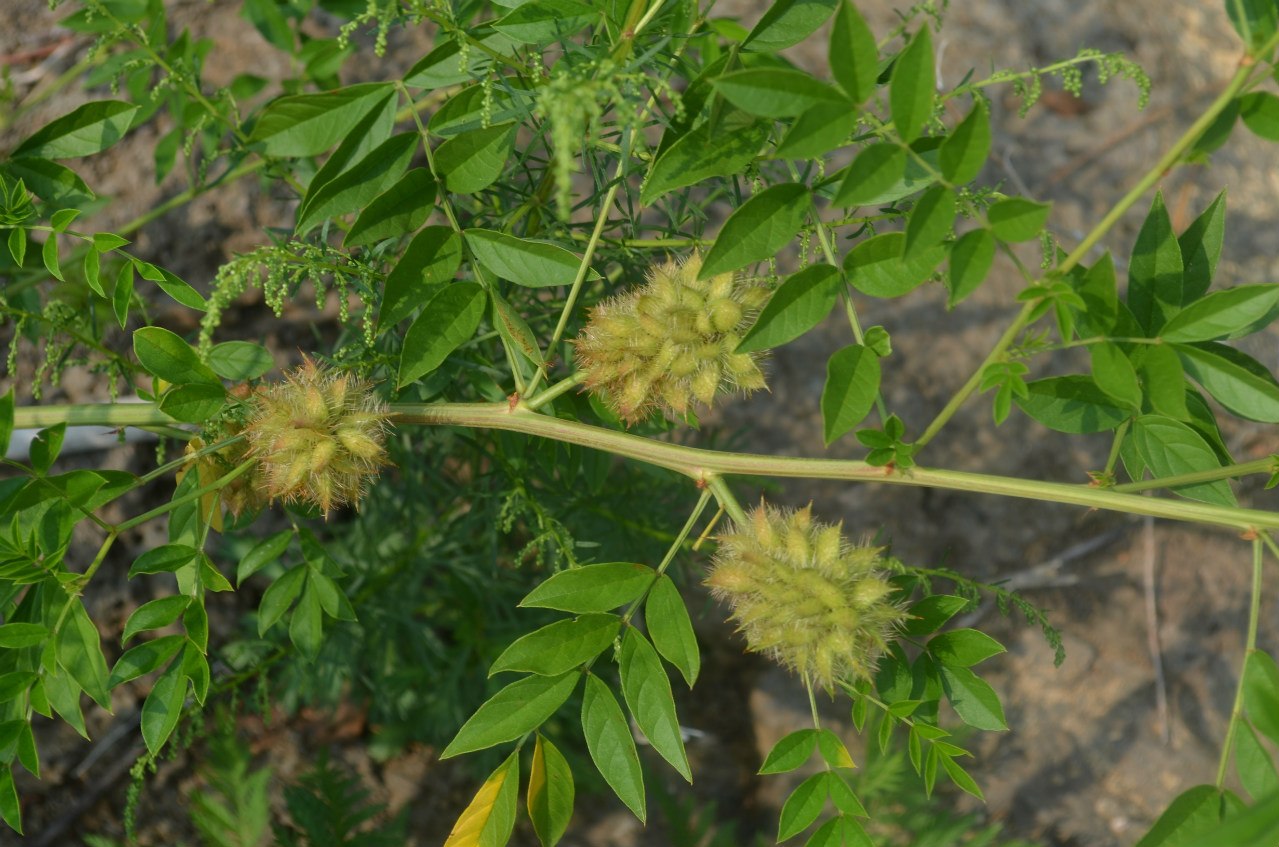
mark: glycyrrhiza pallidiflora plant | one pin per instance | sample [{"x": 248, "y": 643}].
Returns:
[{"x": 531, "y": 212}]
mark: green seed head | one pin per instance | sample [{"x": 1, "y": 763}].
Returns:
[
  {"x": 801, "y": 594},
  {"x": 680, "y": 334},
  {"x": 318, "y": 438}
]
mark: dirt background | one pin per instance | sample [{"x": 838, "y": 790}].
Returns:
[{"x": 1153, "y": 614}]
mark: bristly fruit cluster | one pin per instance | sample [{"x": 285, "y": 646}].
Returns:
[
  {"x": 318, "y": 437},
  {"x": 671, "y": 341},
  {"x": 801, "y": 594}
]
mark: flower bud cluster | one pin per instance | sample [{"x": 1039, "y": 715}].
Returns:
[
  {"x": 671, "y": 342},
  {"x": 801, "y": 594},
  {"x": 318, "y": 437}
]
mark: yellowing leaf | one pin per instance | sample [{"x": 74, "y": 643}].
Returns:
[{"x": 490, "y": 817}]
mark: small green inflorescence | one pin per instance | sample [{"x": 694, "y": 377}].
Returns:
[
  {"x": 317, "y": 437},
  {"x": 801, "y": 594},
  {"x": 671, "y": 342}
]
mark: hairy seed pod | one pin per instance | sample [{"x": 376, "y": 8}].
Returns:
[
  {"x": 799, "y": 593},
  {"x": 317, "y": 437},
  {"x": 681, "y": 333}
]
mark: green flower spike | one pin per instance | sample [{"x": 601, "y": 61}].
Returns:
[
  {"x": 804, "y": 596},
  {"x": 671, "y": 342},
  {"x": 317, "y": 437}
]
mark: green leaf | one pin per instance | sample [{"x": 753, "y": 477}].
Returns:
[
  {"x": 46, "y": 446},
  {"x": 397, "y": 211},
  {"x": 963, "y": 648},
  {"x": 49, "y": 255},
  {"x": 478, "y": 106},
  {"x": 1256, "y": 771},
  {"x": 611, "y": 746},
  {"x": 356, "y": 187},
  {"x": 122, "y": 294},
  {"x": 532, "y": 264},
  {"x": 970, "y": 260},
  {"x": 1254, "y": 20},
  {"x": 1099, "y": 291},
  {"x": 930, "y": 221},
  {"x": 64, "y": 696},
  {"x": 854, "y": 57},
  {"x": 912, "y": 87},
  {"x": 472, "y": 161},
  {"x": 931, "y": 613},
  {"x": 514, "y": 330},
  {"x": 193, "y": 403},
  {"x": 1163, "y": 380},
  {"x": 87, "y": 130},
  {"x": 431, "y": 259},
  {"x": 154, "y": 614},
  {"x": 180, "y": 291},
  {"x": 972, "y": 698},
  {"x": 10, "y": 806},
  {"x": 790, "y": 752},
  {"x": 165, "y": 559},
  {"x": 489, "y": 818},
  {"x": 168, "y": 357},
  {"x": 1251, "y": 826},
  {"x": 265, "y": 552},
  {"x": 875, "y": 171},
  {"x": 559, "y": 647},
  {"x": 240, "y": 361},
  {"x": 758, "y": 228},
  {"x": 671, "y": 628},
  {"x": 1234, "y": 380},
  {"x": 833, "y": 750},
  {"x": 444, "y": 66},
  {"x": 80, "y": 653},
  {"x": 592, "y": 588},
  {"x": 876, "y": 267},
  {"x": 93, "y": 272},
  {"x": 12, "y": 686},
  {"x": 786, "y": 23},
  {"x": 818, "y": 131},
  {"x": 1200, "y": 247},
  {"x": 105, "y": 242},
  {"x": 964, "y": 151},
  {"x": 1071, "y": 404},
  {"x": 1169, "y": 447},
  {"x": 371, "y": 130},
  {"x": 6, "y": 420},
  {"x": 15, "y": 636},
  {"x": 279, "y": 596},
  {"x": 1155, "y": 270},
  {"x": 163, "y": 707},
  {"x": 1261, "y": 693},
  {"x": 518, "y": 708},
  {"x": 550, "y": 793},
  {"x": 799, "y": 304},
  {"x": 1222, "y": 314},
  {"x": 852, "y": 383},
  {"x": 309, "y": 124},
  {"x": 841, "y": 831},
  {"x": 772, "y": 92},
  {"x": 1017, "y": 219},
  {"x": 711, "y": 150},
  {"x": 449, "y": 320},
  {"x": 53, "y": 183},
  {"x": 960, "y": 777},
  {"x": 1196, "y": 811},
  {"x": 17, "y": 243},
  {"x": 306, "y": 626},
  {"x": 1114, "y": 374},
  {"x": 648, "y": 696},
  {"x": 802, "y": 807},
  {"x": 544, "y": 21},
  {"x": 144, "y": 658}
]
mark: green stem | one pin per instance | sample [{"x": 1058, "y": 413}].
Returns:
[
  {"x": 727, "y": 501},
  {"x": 705, "y": 465},
  {"x": 1113, "y": 458},
  {"x": 1250, "y": 647},
  {"x": 676, "y": 546},
  {"x": 217, "y": 485},
  {"x": 1265, "y": 466},
  {"x": 551, "y": 392}
]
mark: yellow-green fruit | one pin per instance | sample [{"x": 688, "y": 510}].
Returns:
[
  {"x": 799, "y": 593},
  {"x": 680, "y": 334},
  {"x": 317, "y": 437}
]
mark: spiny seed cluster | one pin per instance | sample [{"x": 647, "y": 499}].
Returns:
[
  {"x": 317, "y": 437},
  {"x": 671, "y": 341},
  {"x": 801, "y": 594}
]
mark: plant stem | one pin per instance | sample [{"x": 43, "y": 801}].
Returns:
[
  {"x": 217, "y": 485},
  {"x": 551, "y": 392},
  {"x": 1266, "y": 465},
  {"x": 705, "y": 465},
  {"x": 1250, "y": 647},
  {"x": 671, "y": 551},
  {"x": 727, "y": 501}
]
